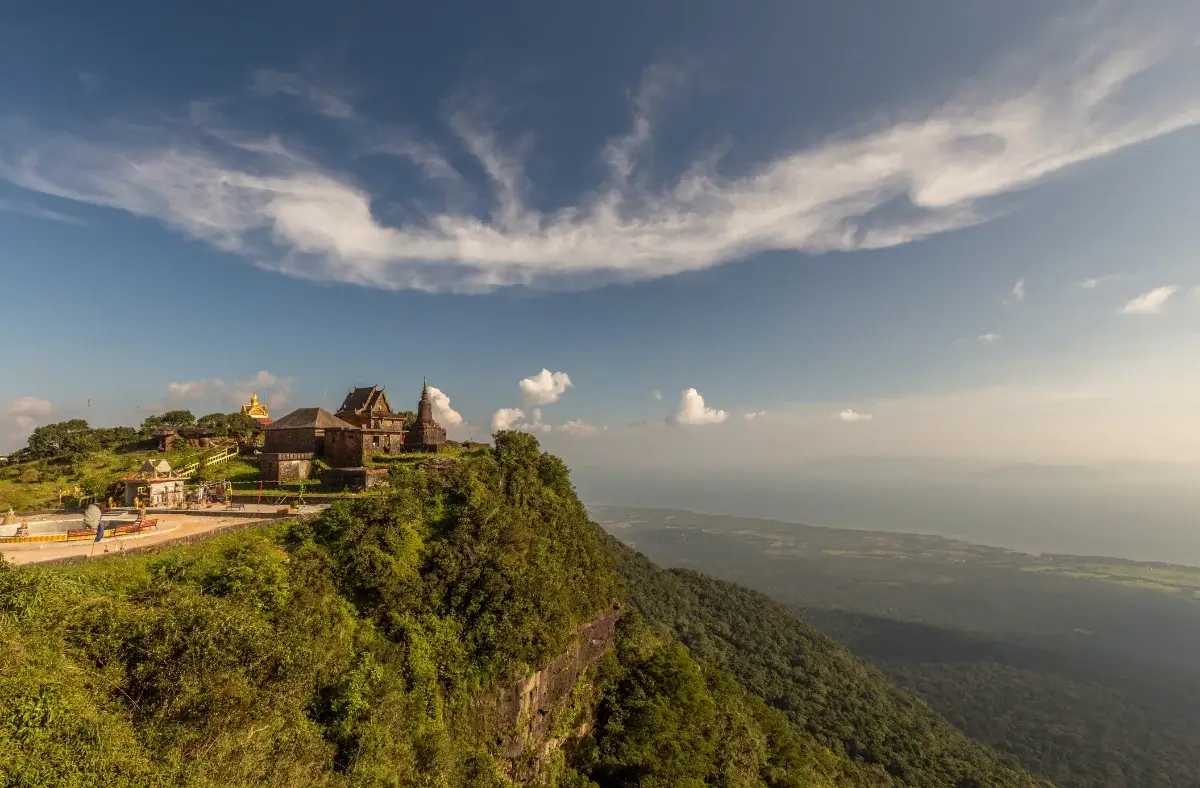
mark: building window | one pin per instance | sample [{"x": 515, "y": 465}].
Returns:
[{"x": 375, "y": 442}]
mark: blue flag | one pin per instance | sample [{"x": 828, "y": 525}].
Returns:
[{"x": 99, "y": 532}]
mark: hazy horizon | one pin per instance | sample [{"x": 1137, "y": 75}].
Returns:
[{"x": 1133, "y": 518}]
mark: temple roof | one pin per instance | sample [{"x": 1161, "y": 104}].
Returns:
[
  {"x": 255, "y": 408},
  {"x": 364, "y": 398},
  {"x": 311, "y": 418}
]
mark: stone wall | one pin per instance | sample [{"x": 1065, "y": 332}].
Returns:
[
  {"x": 278, "y": 467},
  {"x": 290, "y": 441},
  {"x": 353, "y": 478},
  {"x": 344, "y": 448}
]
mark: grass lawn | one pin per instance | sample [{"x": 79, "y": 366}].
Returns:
[{"x": 33, "y": 487}]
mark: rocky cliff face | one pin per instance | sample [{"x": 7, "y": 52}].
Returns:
[{"x": 530, "y": 710}]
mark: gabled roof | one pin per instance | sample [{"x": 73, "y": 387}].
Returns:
[
  {"x": 161, "y": 467},
  {"x": 363, "y": 399},
  {"x": 310, "y": 418}
]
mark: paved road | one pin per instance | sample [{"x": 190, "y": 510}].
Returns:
[{"x": 171, "y": 525}]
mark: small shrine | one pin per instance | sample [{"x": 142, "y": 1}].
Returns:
[{"x": 256, "y": 410}]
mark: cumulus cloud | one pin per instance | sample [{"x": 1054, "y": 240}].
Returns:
[
  {"x": 1018, "y": 291},
  {"x": 657, "y": 395},
  {"x": 851, "y": 416},
  {"x": 544, "y": 387},
  {"x": 507, "y": 419},
  {"x": 579, "y": 429},
  {"x": 516, "y": 419},
  {"x": 442, "y": 412},
  {"x": 693, "y": 411},
  {"x": 754, "y": 414},
  {"x": 990, "y": 339},
  {"x": 27, "y": 412},
  {"x": 19, "y": 417},
  {"x": 192, "y": 389},
  {"x": 274, "y": 390},
  {"x": 1069, "y": 100},
  {"x": 1150, "y": 303}
]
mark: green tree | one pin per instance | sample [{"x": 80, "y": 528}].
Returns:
[
  {"x": 230, "y": 425},
  {"x": 239, "y": 425},
  {"x": 218, "y": 422},
  {"x": 172, "y": 419},
  {"x": 115, "y": 437},
  {"x": 71, "y": 440}
]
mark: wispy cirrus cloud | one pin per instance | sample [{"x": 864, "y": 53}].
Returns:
[
  {"x": 38, "y": 212},
  {"x": 323, "y": 100},
  {"x": 1033, "y": 116},
  {"x": 1150, "y": 303},
  {"x": 1017, "y": 294},
  {"x": 1092, "y": 283}
]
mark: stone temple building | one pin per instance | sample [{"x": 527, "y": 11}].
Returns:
[
  {"x": 364, "y": 426},
  {"x": 425, "y": 434},
  {"x": 291, "y": 443},
  {"x": 368, "y": 409}
]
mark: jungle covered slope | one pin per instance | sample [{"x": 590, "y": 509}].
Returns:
[
  {"x": 821, "y": 687},
  {"x": 356, "y": 649},
  {"x": 362, "y": 648}
]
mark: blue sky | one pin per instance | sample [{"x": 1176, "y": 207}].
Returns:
[{"x": 809, "y": 213}]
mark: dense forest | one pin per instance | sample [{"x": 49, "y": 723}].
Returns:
[
  {"x": 365, "y": 647},
  {"x": 819, "y": 685},
  {"x": 1081, "y": 667}
]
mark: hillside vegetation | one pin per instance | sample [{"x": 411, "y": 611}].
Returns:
[
  {"x": 361, "y": 648},
  {"x": 69, "y": 460},
  {"x": 821, "y": 687}
]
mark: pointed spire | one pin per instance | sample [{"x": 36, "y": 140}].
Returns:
[{"x": 424, "y": 388}]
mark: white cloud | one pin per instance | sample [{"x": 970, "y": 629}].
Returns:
[
  {"x": 990, "y": 339},
  {"x": 1096, "y": 281},
  {"x": 579, "y": 429},
  {"x": 657, "y": 395},
  {"x": 27, "y": 412},
  {"x": 1018, "y": 291},
  {"x": 442, "y": 412},
  {"x": 754, "y": 414},
  {"x": 1150, "y": 303},
  {"x": 693, "y": 411},
  {"x": 515, "y": 419},
  {"x": 544, "y": 387},
  {"x": 850, "y": 416},
  {"x": 38, "y": 212},
  {"x": 323, "y": 101},
  {"x": 272, "y": 389},
  {"x": 192, "y": 389},
  {"x": 1098, "y": 84},
  {"x": 507, "y": 419}
]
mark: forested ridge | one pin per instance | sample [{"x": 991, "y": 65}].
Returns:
[
  {"x": 359, "y": 648},
  {"x": 817, "y": 683},
  {"x": 1081, "y": 668}
]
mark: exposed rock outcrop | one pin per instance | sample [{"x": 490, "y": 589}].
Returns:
[{"x": 528, "y": 710}]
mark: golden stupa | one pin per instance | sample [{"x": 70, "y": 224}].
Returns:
[{"x": 256, "y": 410}]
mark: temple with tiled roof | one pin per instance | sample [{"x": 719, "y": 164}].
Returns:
[{"x": 256, "y": 410}]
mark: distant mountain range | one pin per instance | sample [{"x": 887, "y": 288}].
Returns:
[{"x": 1035, "y": 472}]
